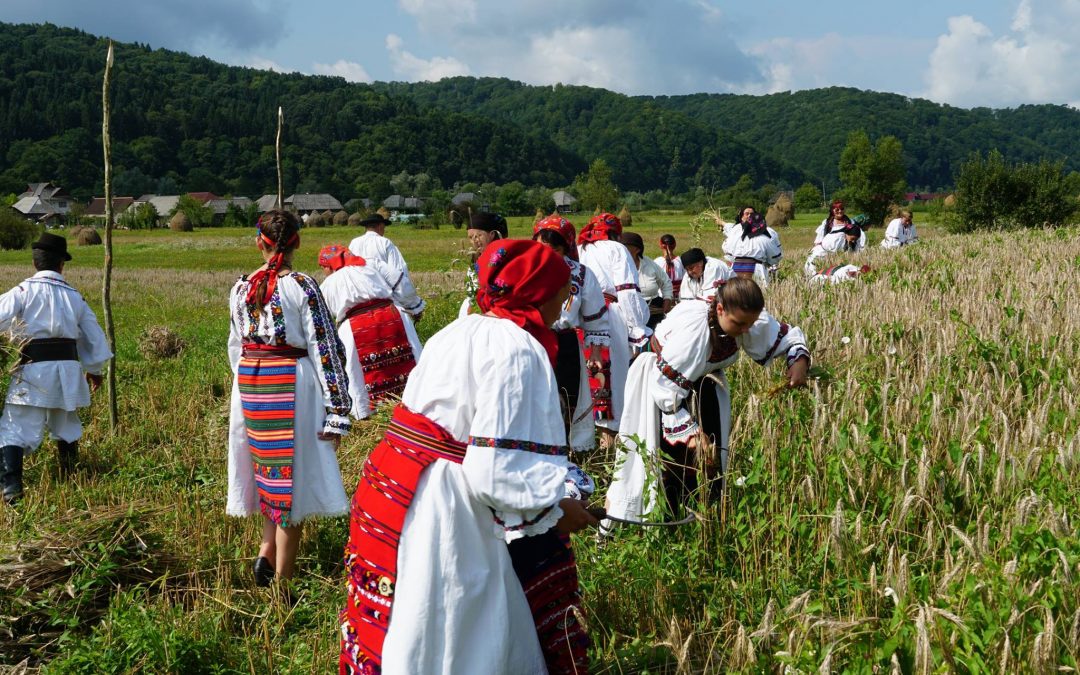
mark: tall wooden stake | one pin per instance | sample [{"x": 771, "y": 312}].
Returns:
[
  {"x": 277, "y": 146},
  {"x": 106, "y": 290}
]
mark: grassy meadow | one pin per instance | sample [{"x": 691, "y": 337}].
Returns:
[{"x": 912, "y": 511}]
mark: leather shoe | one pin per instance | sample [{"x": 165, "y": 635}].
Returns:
[{"x": 264, "y": 572}]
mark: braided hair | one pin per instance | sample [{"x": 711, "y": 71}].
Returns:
[{"x": 279, "y": 231}]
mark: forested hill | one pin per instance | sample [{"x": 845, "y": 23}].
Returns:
[
  {"x": 809, "y": 128},
  {"x": 184, "y": 123}
]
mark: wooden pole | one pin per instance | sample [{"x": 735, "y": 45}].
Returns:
[
  {"x": 277, "y": 146},
  {"x": 106, "y": 290}
]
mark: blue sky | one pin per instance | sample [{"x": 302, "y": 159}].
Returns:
[{"x": 963, "y": 52}]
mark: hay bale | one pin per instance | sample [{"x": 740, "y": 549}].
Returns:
[
  {"x": 314, "y": 220},
  {"x": 785, "y": 206},
  {"x": 161, "y": 343},
  {"x": 87, "y": 236},
  {"x": 180, "y": 223},
  {"x": 625, "y": 217},
  {"x": 950, "y": 201},
  {"x": 354, "y": 220},
  {"x": 774, "y": 217},
  {"x": 341, "y": 218},
  {"x": 384, "y": 212},
  {"x": 328, "y": 216}
]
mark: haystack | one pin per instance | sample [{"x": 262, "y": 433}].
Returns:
[
  {"x": 180, "y": 223},
  {"x": 314, "y": 220},
  {"x": 625, "y": 218},
  {"x": 892, "y": 212},
  {"x": 354, "y": 220},
  {"x": 950, "y": 201},
  {"x": 87, "y": 236},
  {"x": 161, "y": 343},
  {"x": 384, "y": 212},
  {"x": 540, "y": 215},
  {"x": 786, "y": 206},
  {"x": 774, "y": 217},
  {"x": 328, "y": 216},
  {"x": 341, "y": 218}
]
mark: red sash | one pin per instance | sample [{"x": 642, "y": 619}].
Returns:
[
  {"x": 387, "y": 487},
  {"x": 383, "y": 346}
]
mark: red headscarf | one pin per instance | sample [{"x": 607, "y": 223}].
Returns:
[
  {"x": 565, "y": 229},
  {"x": 600, "y": 228},
  {"x": 270, "y": 271},
  {"x": 336, "y": 256},
  {"x": 516, "y": 277}
]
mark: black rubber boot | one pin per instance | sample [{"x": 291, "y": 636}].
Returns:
[
  {"x": 68, "y": 454},
  {"x": 264, "y": 572},
  {"x": 11, "y": 477}
]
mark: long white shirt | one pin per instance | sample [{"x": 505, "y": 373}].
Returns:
[
  {"x": 765, "y": 249},
  {"x": 372, "y": 245},
  {"x": 614, "y": 269},
  {"x": 704, "y": 288},
  {"x": 820, "y": 233},
  {"x": 458, "y": 606},
  {"x": 45, "y": 306},
  {"x": 896, "y": 235},
  {"x": 654, "y": 281},
  {"x": 835, "y": 275},
  {"x": 657, "y": 387},
  {"x": 347, "y": 288},
  {"x": 585, "y": 308}
]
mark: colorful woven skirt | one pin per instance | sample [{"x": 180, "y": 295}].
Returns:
[
  {"x": 387, "y": 486},
  {"x": 600, "y": 383},
  {"x": 383, "y": 346},
  {"x": 268, "y": 395},
  {"x": 546, "y": 567},
  {"x": 745, "y": 266}
]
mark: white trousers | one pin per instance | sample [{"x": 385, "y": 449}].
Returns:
[{"x": 24, "y": 425}]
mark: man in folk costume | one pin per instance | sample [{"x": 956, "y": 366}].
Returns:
[
  {"x": 703, "y": 275},
  {"x": 671, "y": 263},
  {"x": 600, "y": 250},
  {"x": 63, "y": 340},
  {"x": 373, "y": 245},
  {"x": 583, "y": 324},
  {"x": 484, "y": 228},
  {"x": 689, "y": 353},
  {"x": 753, "y": 247},
  {"x": 381, "y": 345},
  {"x": 474, "y": 457}
]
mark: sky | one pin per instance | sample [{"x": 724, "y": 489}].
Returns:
[{"x": 996, "y": 53}]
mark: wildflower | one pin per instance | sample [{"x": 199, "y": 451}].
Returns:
[
  {"x": 845, "y": 340},
  {"x": 892, "y": 351},
  {"x": 740, "y": 481}
]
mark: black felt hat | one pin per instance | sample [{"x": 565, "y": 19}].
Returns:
[
  {"x": 374, "y": 219},
  {"x": 694, "y": 255},
  {"x": 52, "y": 243},
  {"x": 488, "y": 222}
]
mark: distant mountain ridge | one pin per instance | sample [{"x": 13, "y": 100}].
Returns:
[{"x": 187, "y": 123}]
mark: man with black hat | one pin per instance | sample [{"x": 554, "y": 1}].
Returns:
[
  {"x": 372, "y": 245},
  {"x": 61, "y": 339},
  {"x": 704, "y": 274},
  {"x": 484, "y": 228}
]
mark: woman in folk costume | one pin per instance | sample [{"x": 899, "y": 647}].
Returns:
[
  {"x": 381, "y": 345},
  {"x": 753, "y": 247},
  {"x": 584, "y": 318},
  {"x": 655, "y": 284},
  {"x": 703, "y": 275},
  {"x": 850, "y": 238},
  {"x": 836, "y": 221},
  {"x": 484, "y": 228},
  {"x": 474, "y": 456},
  {"x": 690, "y": 351},
  {"x": 838, "y": 274},
  {"x": 670, "y": 263},
  {"x": 900, "y": 231},
  {"x": 599, "y": 250},
  {"x": 290, "y": 400}
]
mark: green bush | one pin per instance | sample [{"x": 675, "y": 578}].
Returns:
[
  {"x": 16, "y": 232},
  {"x": 142, "y": 217},
  {"x": 992, "y": 193}
]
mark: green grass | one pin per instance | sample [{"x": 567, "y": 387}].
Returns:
[{"x": 913, "y": 509}]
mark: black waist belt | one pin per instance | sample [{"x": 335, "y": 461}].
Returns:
[{"x": 49, "y": 349}]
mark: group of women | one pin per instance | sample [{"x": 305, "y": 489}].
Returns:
[{"x": 458, "y": 558}]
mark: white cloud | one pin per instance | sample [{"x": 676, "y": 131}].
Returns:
[
  {"x": 414, "y": 68},
  {"x": 1034, "y": 62},
  {"x": 353, "y": 72},
  {"x": 262, "y": 63}
]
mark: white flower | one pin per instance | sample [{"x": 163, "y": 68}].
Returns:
[
  {"x": 845, "y": 340},
  {"x": 892, "y": 351},
  {"x": 740, "y": 481},
  {"x": 890, "y": 593}
]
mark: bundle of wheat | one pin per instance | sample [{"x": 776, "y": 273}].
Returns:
[{"x": 160, "y": 342}]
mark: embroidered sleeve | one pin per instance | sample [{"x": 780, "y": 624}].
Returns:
[
  {"x": 632, "y": 306},
  {"x": 679, "y": 426},
  {"x": 668, "y": 371},
  {"x": 594, "y": 320},
  {"x": 327, "y": 352},
  {"x": 768, "y": 339}
]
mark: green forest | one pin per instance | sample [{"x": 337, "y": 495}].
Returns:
[{"x": 184, "y": 123}]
